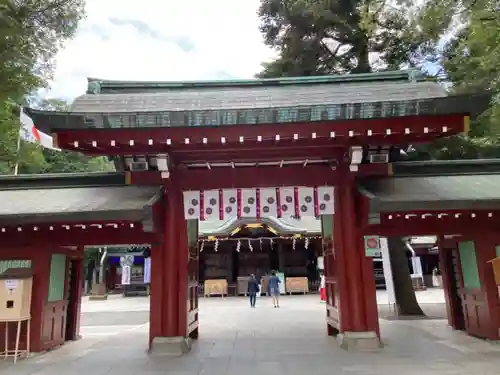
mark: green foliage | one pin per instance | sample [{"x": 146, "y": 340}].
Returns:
[
  {"x": 458, "y": 41},
  {"x": 32, "y": 33},
  {"x": 340, "y": 36}
]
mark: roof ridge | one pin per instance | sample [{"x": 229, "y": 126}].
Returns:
[{"x": 394, "y": 75}]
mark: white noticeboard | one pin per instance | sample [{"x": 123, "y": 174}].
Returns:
[{"x": 389, "y": 281}]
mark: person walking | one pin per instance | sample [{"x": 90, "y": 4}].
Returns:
[
  {"x": 253, "y": 289},
  {"x": 274, "y": 289}
]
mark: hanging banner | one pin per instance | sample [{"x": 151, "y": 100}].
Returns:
[
  {"x": 147, "y": 270},
  {"x": 126, "y": 273},
  {"x": 223, "y": 204},
  {"x": 268, "y": 202},
  {"x": 126, "y": 262}
]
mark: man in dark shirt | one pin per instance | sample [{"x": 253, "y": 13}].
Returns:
[{"x": 253, "y": 289}]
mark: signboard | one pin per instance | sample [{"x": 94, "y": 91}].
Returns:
[{"x": 372, "y": 246}]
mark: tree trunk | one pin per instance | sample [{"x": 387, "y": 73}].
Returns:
[{"x": 406, "y": 300}]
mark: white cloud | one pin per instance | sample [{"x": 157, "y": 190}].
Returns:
[{"x": 161, "y": 40}]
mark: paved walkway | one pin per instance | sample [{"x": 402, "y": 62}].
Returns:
[{"x": 235, "y": 339}]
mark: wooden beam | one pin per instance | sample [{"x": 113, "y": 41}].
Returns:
[
  {"x": 59, "y": 235},
  {"x": 225, "y": 178},
  {"x": 410, "y": 129},
  {"x": 249, "y": 177},
  {"x": 436, "y": 223}
]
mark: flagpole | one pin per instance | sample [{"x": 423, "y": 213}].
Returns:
[{"x": 18, "y": 153}]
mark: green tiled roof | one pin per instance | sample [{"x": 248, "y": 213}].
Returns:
[{"x": 451, "y": 192}]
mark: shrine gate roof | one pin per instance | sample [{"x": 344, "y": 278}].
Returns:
[
  {"x": 114, "y": 104},
  {"x": 434, "y": 186},
  {"x": 73, "y": 197}
]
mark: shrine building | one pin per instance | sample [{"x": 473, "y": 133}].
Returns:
[{"x": 247, "y": 151}]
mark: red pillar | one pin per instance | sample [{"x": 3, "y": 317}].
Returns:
[
  {"x": 41, "y": 276},
  {"x": 357, "y": 293},
  {"x": 169, "y": 262}
]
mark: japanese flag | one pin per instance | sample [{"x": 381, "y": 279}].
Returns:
[{"x": 30, "y": 133}]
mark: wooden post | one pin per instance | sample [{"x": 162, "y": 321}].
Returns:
[
  {"x": 359, "y": 325},
  {"x": 169, "y": 280}
]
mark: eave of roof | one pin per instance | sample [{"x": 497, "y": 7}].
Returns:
[
  {"x": 433, "y": 193},
  {"x": 59, "y": 180},
  {"x": 50, "y": 121},
  {"x": 74, "y": 198}
]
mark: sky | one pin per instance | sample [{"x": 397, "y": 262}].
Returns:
[{"x": 161, "y": 40}]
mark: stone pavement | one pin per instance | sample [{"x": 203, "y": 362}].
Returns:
[{"x": 235, "y": 339}]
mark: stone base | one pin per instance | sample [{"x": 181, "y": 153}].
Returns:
[
  {"x": 96, "y": 297},
  {"x": 170, "y": 346},
  {"x": 359, "y": 341}
]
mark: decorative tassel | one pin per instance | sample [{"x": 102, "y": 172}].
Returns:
[
  {"x": 271, "y": 243},
  {"x": 250, "y": 245},
  {"x": 306, "y": 243},
  {"x": 293, "y": 243},
  {"x": 238, "y": 246},
  {"x": 260, "y": 244},
  {"x": 202, "y": 246},
  {"x": 216, "y": 245}
]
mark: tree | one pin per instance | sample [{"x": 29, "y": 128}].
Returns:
[
  {"x": 340, "y": 36},
  {"x": 32, "y": 33},
  {"x": 469, "y": 60}
]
